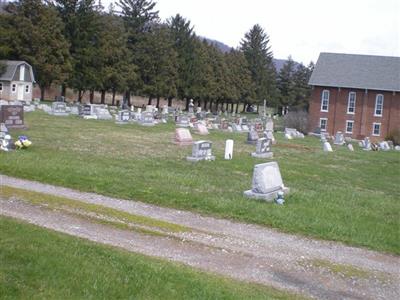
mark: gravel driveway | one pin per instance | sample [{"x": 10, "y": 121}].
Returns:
[{"x": 242, "y": 251}]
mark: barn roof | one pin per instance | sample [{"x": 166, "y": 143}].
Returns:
[
  {"x": 357, "y": 71},
  {"x": 11, "y": 68}
]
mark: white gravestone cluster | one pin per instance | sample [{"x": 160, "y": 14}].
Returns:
[{"x": 291, "y": 133}]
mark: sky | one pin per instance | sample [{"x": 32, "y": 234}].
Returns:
[{"x": 301, "y": 28}]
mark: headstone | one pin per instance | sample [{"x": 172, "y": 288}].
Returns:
[
  {"x": 229, "y": 149},
  {"x": 327, "y": 147},
  {"x": 59, "y": 99},
  {"x": 150, "y": 108},
  {"x": 224, "y": 124},
  {"x": 252, "y": 137},
  {"x": 183, "y": 137},
  {"x": 384, "y": 146},
  {"x": 288, "y": 136},
  {"x": 269, "y": 125},
  {"x": 12, "y": 116},
  {"x": 3, "y": 131},
  {"x": 3, "y": 128},
  {"x": 367, "y": 144},
  {"x": 87, "y": 110},
  {"x": 350, "y": 147},
  {"x": 269, "y": 135},
  {"x": 263, "y": 149},
  {"x": 201, "y": 129},
  {"x": 59, "y": 109},
  {"x": 182, "y": 121},
  {"x": 123, "y": 117},
  {"x": 102, "y": 113},
  {"x": 267, "y": 182},
  {"x": 245, "y": 128},
  {"x": 6, "y": 143},
  {"x": 29, "y": 108},
  {"x": 293, "y": 133},
  {"x": 191, "y": 107},
  {"x": 147, "y": 119},
  {"x": 339, "y": 138},
  {"x": 201, "y": 150},
  {"x": 74, "y": 110},
  {"x": 236, "y": 127}
]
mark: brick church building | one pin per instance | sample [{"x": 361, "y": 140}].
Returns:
[{"x": 358, "y": 95}]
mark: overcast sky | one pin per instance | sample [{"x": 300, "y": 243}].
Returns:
[{"x": 302, "y": 28}]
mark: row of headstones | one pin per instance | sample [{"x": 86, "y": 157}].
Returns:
[
  {"x": 292, "y": 133},
  {"x": 365, "y": 144},
  {"x": 202, "y": 150}
]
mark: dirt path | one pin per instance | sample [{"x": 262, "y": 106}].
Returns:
[{"x": 253, "y": 253}]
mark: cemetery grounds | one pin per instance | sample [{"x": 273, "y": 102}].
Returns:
[{"x": 348, "y": 197}]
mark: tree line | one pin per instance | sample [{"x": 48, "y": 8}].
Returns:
[{"x": 128, "y": 49}]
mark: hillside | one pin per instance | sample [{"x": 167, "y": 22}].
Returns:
[{"x": 225, "y": 48}]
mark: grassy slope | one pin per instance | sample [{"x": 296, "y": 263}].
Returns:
[
  {"x": 41, "y": 264},
  {"x": 344, "y": 196}
]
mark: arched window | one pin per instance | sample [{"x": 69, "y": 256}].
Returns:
[{"x": 325, "y": 100}]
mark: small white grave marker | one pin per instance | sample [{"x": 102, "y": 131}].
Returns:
[
  {"x": 327, "y": 147},
  {"x": 229, "y": 149}
]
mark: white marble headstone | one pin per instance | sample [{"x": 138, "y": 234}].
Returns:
[{"x": 229, "y": 149}]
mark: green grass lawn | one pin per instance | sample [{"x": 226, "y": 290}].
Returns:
[
  {"x": 345, "y": 196},
  {"x": 36, "y": 263}
]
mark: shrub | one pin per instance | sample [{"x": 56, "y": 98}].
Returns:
[
  {"x": 394, "y": 136},
  {"x": 297, "y": 120}
]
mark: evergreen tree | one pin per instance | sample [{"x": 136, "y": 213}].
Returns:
[
  {"x": 189, "y": 53},
  {"x": 82, "y": 28},
  {"x": 37, "y": 38},
  {"x": 242, "y": 87},
  {"x": 117, "y": 70},
  {"x": 139, "y": 16},
  {"x": 158, "y": 64},
  {"x": 303, "y": 90},
  {"x": 257, "y": 51},
  {"x": 287, "y": 84}
]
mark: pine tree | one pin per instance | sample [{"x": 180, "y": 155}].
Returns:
[
  {"x": 117, "y": 70},
  {"x": 37, "y": 38},
  {"x": 257, "y": 51},
  {"x": 158, "y": 64},
  {"x": 243, "y": 90},
  {"x": 287, "y": 84},
  {"x": 189, "y": 53},
  {"x": 139, "y": 16},
  {"x": 81, "y": 29},
  {"x": 303, "y": 90}
]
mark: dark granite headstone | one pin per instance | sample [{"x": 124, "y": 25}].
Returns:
[{"x": 12, "y": 116}]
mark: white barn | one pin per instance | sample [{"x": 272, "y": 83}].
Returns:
[{"x": 16, "y": 82}]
